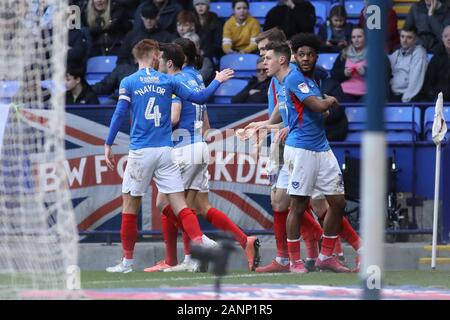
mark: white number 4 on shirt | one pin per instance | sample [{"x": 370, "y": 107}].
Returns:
[{"x": 152, "y": 112}]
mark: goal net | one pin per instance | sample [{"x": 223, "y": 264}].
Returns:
[{"x": 38, "y": 235}]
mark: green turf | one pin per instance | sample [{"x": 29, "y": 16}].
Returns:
[{"x": 100, "y": 279}]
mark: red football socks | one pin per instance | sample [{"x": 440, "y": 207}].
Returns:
[
  {"x": 338, "y": 246},
  {"x": 279, "y": 229},
  {"x": 128, "y": 234},
  {"x": 293, "y": 249},
  {"x": 221, "y": 221},
  {"x": 190, "y": 224},
  {"x": 349, "y": 234},
  {"x": 170, "y": 233},
  {"x": 328, "y": 244}
]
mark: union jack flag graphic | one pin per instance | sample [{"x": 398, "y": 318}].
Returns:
[{"x": 238, "y": 185}]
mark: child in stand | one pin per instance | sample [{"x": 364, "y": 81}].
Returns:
[{"x": 336, "y": 32}]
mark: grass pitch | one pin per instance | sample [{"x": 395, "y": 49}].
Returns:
[{"x": 100, "y": 279}]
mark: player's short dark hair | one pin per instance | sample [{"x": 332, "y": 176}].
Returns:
[
  {"x": 411, "y": 28},
  {"x": 173, "y": 52},
  {"x": 235, "y": 2},
  {"x": 273, "y": 34},
  {"x": 306, "y": 39},
  {"x": 280, "y": 49},
  {"x": 190, "y": 52}
]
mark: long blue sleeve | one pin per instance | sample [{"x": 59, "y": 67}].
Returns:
[
  {"x": 119, "y": 115},
  {"x": 184, "y": 92}
]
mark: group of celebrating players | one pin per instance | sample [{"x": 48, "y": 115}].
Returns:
[{"x": 169, "y": 120}]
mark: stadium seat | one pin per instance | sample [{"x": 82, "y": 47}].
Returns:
[
  {"x": 228, "y": 89},
  {"x": 354, "y": 8},
  {"x": 401, "y": 123},
  {"x": 326, "y": 60},
  {"x": 244, "y": 65},
  {"x": 223, "y": 9},
  {"x": 101, "y": 64},
  {"x": 428, "y": 122},
  {"x": 8, "y": 89},
  {"x": 321, "y": 12},
  {"x": 259, "y": 9}
]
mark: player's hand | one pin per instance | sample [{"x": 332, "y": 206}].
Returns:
[
  {"x": 109, "y": 158},
  {"x": 253, "y": 91},
  {"x": 224, "y": 75},
  {"x": 326, "y": 114},
  {"x": 281, "y": 135}
]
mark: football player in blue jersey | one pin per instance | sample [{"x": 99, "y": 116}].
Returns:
[
  {"x": 147, "y": 95},
  {"x": 191, "y": 153},
  {"x": 312, "y": 165}
]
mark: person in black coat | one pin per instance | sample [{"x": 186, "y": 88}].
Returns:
[
  {"x": 167, "y": 12},
  {"x": 256, "y": 89},
  {"x": 209, "y": 28},
  {"x": 78, "y": 48},
  {"x": 110, "y": 84},
  {"x": 107, "y": 22},
  {"x": 151, "y": 29},
  {"x": 292, "y": 16},
  {"x": 78, "y": 90},
  {"x": 437, "y": 78}
]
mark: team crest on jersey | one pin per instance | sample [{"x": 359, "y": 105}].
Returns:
[
  {"x": 149, "y": 79},
  {"x": 303, "y": 87},
  {"x": 295, "y": 184}
]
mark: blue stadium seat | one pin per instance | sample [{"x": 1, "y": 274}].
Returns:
[
  {"x": 326, "y": 60},
  {"x": 8, "y": 89},
  {"x": 428, "y": 122},
  {"x": 101, "y": 64},
  {"x": 321, "y": 11},
  {"x": 223, "y": 9},
  {"x": 402, "y": 123},
  {"x": 354, "y": 8},
  {"x": 259, "y": 9},
  {"x": 229, "y": 89},
  {"x": 244, "y": 65}
]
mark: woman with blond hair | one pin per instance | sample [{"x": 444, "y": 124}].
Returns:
[{"x": 107, "y": 23}]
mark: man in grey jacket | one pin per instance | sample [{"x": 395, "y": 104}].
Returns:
[
  {"x": 429, "y": 17},
  {"x": 409, "y": 65}
]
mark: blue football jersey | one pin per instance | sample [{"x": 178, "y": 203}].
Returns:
[
  {"x": 189, "y": 128},
  {"x": 306, "y": 127},
  {"x": 149, "y": 94}
]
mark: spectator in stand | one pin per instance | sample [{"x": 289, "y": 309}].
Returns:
[
  {"x": 210, "y": 29},
  {"x": 151, "y": 29},
  {"x": 110, "y": 84},
  {"x": 409, "y": 65},
  {"x": 107, "y": 23},
  {"x": 240, "y": 30},
  {"x": 292, "y": 16},
  {"x": 78, "y": 90},
  {"x": 393, "y": 39},
  {"x": 437, "y": 78},
  {"x": 185, "y": 23},
  {"x": 257, "y": 87},
  {"x": 77, "y": 52},
  {"x": 347, "y": 82},
  {"x": 167, "y": 13},
  {"x": 336, "y": 32},
  {"x": 429, "y": 17},
  {"x": 206, "y": 67}
]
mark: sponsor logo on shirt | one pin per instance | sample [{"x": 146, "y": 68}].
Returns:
[
  {"x": 149, "y": 79},
  {"x": 303, "y": 87}
]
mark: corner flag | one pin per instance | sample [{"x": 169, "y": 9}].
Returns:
[{"x": 439, "y": 132}]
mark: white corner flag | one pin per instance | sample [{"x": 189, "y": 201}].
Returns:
[{"x": 439, "y": 132}]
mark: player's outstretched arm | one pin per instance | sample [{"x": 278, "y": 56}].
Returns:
[{"x": 201, "y": 97}]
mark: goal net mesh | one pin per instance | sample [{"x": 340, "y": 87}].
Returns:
[{"x": 38, "y": 235}]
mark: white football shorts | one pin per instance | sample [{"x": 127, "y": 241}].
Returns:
[
  {"x": 147, "y": 163},
  {"x": 193, "y": 160},
  {"x": 313, "y": 173}
]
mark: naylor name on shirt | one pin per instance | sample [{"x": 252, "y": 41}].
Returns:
[{"x": 150, "y": 88}]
